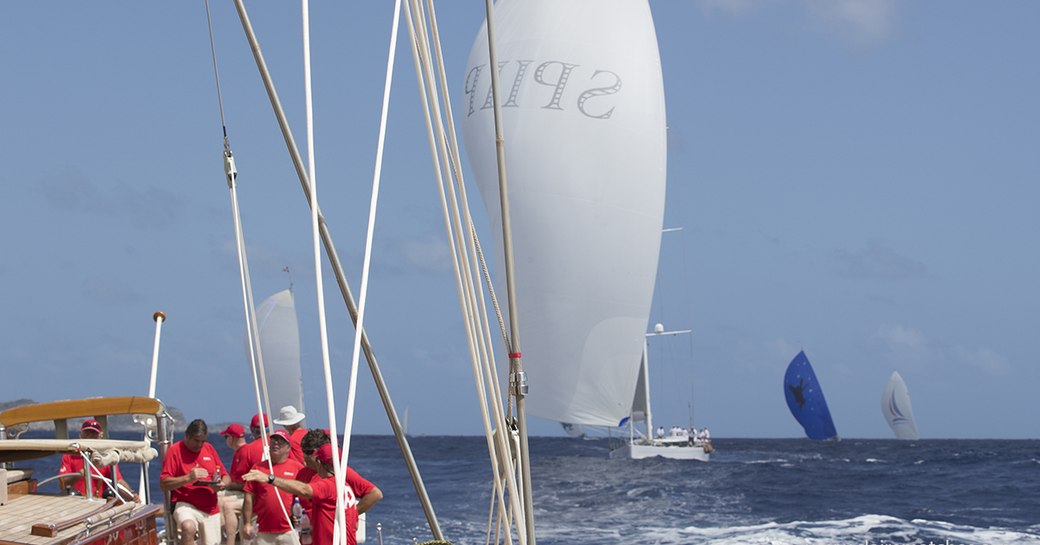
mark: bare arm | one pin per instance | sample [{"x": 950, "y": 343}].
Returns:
[
  {"x": 370, "y": 499},
  {"x": 247, "y": 516},
  {"x": 294, "y": 487}
]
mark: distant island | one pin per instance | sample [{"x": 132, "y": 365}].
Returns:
[{"x": 116, "y": 423}]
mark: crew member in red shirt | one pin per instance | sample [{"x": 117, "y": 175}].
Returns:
[
  {"x": 192, "y": 472},
  {"x": 359, "y": 496},
  {"x": 72, "y": 465},
  {"x": 230, "y": 499},
  {"x": 271, "y": 505},
  {"x": 292, "y": 420},
  {"x": 245, "y": 457}
]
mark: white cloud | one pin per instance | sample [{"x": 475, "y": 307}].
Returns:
[
  {"x": 145, "y": 207},
  {"x": 876, "y": 260},
  {"x": 732, "y": 7},
  {"x": 906, "y": 346},
  {"x": 865, "y": 22},
  {"x": 431, "y": 253},
  {"x": 900, "y": 338},
  {"x": 982, "y": 358}
]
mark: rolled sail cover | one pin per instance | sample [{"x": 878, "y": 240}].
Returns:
[{"x": 584, "y": 124}]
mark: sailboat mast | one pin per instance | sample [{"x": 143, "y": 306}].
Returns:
[
  {"x": 341, "y": 278},
  {"x": 645, "y": 369},
  {"x": 517, "y": 377}
]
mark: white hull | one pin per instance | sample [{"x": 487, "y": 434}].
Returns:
[{"x": 664, "y": 450}]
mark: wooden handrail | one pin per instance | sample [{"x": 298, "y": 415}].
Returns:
[
  {"x": 42, "y": 529},
  {"x": 80, "y": 408},
  {"x": 146, "y": 513}
]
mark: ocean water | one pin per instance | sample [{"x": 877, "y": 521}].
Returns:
[{"x": 754, "y": 491}]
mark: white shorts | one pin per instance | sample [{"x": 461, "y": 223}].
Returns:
[
  {"x": 208, "y": 525},
  {"x": 231, "y": 499},
  {"x": 285, "y": 538}
]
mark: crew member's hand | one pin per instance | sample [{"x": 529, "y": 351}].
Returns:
[{"x": 255, "y": 475}]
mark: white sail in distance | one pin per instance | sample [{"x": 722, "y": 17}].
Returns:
[
  {"x": 279, "y": 338},
  {"x": 584, "y": 122},
  {"x": 895, "y": 405}
]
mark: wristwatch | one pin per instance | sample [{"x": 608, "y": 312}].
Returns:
[{"x": 270, "y": 479}]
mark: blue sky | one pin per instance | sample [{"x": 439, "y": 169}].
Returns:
[{"x": 857, "y": 179}]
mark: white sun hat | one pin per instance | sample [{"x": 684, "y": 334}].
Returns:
[{"x": 288, "y": 415}]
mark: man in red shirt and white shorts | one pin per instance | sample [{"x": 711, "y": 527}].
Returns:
[
  {"x": 359, "y": 496},
  {"x": 271, "y": 505},
  {"x": 192, "y": 472}
]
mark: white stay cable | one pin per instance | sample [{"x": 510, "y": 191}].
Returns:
[
  {"x": 256, "y": 361},
  {"x": 359, "y": 327},
  {"x": 458, "y": 238},
  {"x": 340, "y": 536},
  {"x": 467, "y": 237}
]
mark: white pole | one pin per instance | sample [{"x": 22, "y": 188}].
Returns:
[
  {"x": 159, "y": 318},
  {"x": 143, "y": 490}
]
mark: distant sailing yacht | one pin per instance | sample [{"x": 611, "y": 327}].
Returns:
[
  {"x": 279, "y": 338},
  {"x": 805, "y": 399},
  {"x": 895, "y": 406},
  {"x": 639, "y": 445}
]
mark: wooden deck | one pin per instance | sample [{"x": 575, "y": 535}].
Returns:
[{"x": 74, "y": 520}]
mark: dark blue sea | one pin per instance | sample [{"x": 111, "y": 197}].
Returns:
[{"x": 754, "y": 491}]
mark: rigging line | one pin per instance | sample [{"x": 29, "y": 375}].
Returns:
[
  {"x": 497, "y": 442},
  {"x": 366, "y": 267},
  {"x": 216, "y": 76},
  {"x": 472, "y": 242},
  {"x": 420, "y": 53},
  {"x": 337, "y": 269},
  {"x": 256, "y": 366},
  {"x": 231, "y": 176},
  {"x": 518, "y": 381},
  {"x": 338, "y": 470}
]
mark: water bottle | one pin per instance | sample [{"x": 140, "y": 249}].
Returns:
[
  {"x": 305, "y": 528},
  {"x": 297, "y": 513}
]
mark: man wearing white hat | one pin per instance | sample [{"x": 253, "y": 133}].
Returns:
[{"x": 292, "y": 420}]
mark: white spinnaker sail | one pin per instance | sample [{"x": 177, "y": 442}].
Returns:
[
  {"x": 584, "y": 121},
  {"x": 895, "y": 405},
  {"x": 279, "y": 336}
]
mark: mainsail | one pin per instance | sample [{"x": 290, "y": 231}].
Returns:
[
  {"x": 584, "y": 122},
  {"x": 895, "y": 405},
  {"x": 279, "y": 336},
  {"x": 805, "y": 399}
]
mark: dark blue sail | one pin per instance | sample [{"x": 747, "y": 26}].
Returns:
[{"x": 805, "y": 399}]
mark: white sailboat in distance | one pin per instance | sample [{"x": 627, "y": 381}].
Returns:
[
  {"x": 642, "y": 443},
  {"x": 279, "y": 336},
  {"x": 895, "y": 405}
]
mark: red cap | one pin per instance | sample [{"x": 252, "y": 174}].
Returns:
[
  {"x": 324, "y": 454},
  {"x": 91, "y": 424},
  {"x": 234, "y": 430},
  {"x": 255, "y": 423},
  {"x": 283, "y": 434}
]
